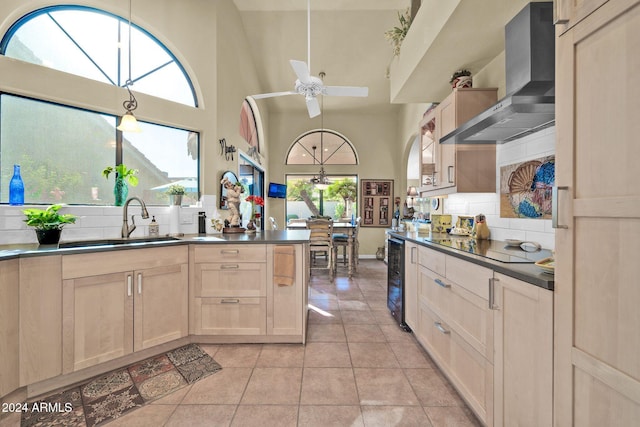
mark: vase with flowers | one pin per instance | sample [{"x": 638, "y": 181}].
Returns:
[{"x": 254, "y": 221}]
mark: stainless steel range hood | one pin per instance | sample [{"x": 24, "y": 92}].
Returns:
[{"x": 530, "y": 74}]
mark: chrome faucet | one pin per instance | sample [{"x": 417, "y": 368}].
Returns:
[{"x": 126, "y": 228}]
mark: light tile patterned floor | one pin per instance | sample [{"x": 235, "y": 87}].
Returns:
[{"x": 357, "y": 369}]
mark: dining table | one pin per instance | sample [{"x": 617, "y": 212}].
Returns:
[{"x": 346, "y": 228}]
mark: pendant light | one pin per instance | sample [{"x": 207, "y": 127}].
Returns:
[
  {"x": 128, "y": 122},
  {"x": 321, "y": 182}
]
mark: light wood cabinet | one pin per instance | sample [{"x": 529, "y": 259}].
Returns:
[
  {"x": 40, "y": 318},
  {"x": 457, "y": 168},
  {"x": 411, "y": 285},
  {"x": 9, "y": 326},
  {"x": 523, "y": 364},
  {"x": 568, "y": 13},
  {"x": 596, "y": 365},
  {"x": 234, "y": 293},
  {"x": 455, "y": 325},
  {"x": 128, "y": 301}
]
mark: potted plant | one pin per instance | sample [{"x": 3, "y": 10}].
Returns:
[
  {"x": 460, "y": 79},
  {"x": 48, "y": 223},
  {"x": 124, "y": 175},
  {"x": 175, "y": 192},
  {"x": 397, "y": 34}
]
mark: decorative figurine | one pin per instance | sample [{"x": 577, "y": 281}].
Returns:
[{"x": 233, "y": 201}]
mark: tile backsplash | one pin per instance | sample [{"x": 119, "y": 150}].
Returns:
[{"x": 533, "y": 146}]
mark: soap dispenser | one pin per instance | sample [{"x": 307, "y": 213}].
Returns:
[{"x": 154, "y": 228}]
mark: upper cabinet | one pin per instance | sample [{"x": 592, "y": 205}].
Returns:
[
  {"x": 568, "y": 13},
  {"x": 459, "y": 168}
]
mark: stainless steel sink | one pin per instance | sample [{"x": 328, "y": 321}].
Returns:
[{"x": 115, "y": 241}]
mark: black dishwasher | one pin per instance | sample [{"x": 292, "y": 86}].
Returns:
[{"x": 395, "y": 281}]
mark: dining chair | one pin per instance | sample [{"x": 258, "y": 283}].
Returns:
[
  {"x": 341, "y": 240},
  {"x": 321, "y": 243},
  {"x": 274, "y": 224}
]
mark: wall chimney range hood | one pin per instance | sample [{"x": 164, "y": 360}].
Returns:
[{"x": 530, "y": 78}]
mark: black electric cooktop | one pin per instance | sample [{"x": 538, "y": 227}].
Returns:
[{"x": 492, "y": 249}]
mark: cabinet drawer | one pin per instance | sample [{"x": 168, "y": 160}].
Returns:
[
  {"x": 435, "y": 290},
  {"x": 225, "y": 253},
  {"x": 433, "y": 260},
  {"x": 231, "y": 316},
  {"x": 230, "y": 279},
  {"x": 470, "y": 276},
  {"x": 468, "y": 370}
]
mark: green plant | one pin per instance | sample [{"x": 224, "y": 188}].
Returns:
[
  {"x": 123, "y": 172},
  {"x": 48, "y": 219},
  {"x": 175, "y": 190},
  {"x": 397, "y": 34}
]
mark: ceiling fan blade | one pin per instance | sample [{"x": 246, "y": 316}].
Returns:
[
  {"x": 313, "y": 107},
  {"x": 301, "y": 70},
  {"x": 345, "y": 91},
  {"x": 271, "y": 95}
]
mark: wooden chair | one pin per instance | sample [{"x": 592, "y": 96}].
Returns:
[
  {"x": 321, "y": 242},
  {"x": 341, "y": 240}
]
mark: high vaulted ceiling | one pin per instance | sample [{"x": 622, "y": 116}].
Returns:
[{"x": 347, "y": 43}]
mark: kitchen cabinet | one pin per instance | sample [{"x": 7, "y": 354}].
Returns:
[
  {"x": 457, "y": 168},
  {"x": 455, "y": 325},
  {"x": 569, "y": 12},
  {"x": 596, "y": 365},
  {"x": 129, "y": 301},
  {"x": 523, "y": 361},
  {"x": 411, "y": 284},
  {"x": 40, "y": 318},
  {"x": 234, "y": 294},
  {"x": 9, "y": 326}
]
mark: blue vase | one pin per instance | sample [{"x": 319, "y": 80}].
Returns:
[{"x": 16, "y": 188}]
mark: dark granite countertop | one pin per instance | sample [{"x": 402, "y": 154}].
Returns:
[
  {"x": 494, "y": 254},
  {"x": 111, "y": 244}
]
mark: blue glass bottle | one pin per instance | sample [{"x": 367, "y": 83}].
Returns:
[{"x": 16, "y": 188}]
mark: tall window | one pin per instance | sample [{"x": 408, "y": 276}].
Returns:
[
  {"x": 62, "y": 150},
  {"x": 304, "y": 199}
]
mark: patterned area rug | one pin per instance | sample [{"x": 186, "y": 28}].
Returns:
[{"x": 110, "y": 396}]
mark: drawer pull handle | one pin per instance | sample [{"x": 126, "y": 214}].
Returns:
[
  {"x": 229, "y": 266},
  {"x": 441, "y": 328},
  {"x": 554, "y": 207},
  {"x": 441, "y": 283},
  {"x": 492, "y": 295},
  {"x": 230, "y": 301},
  {"x": 139, "y": 283},
  {"x": 129, "y": 285},
  {"x": 230, "y": 251}
]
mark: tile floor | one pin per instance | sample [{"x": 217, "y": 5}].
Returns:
[{"x": 357, "y": 369}]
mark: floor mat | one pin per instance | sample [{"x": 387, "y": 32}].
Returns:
[{"x": 112, "y": 395}]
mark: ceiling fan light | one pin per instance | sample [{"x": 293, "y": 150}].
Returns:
[{"x": 128, "y": 123}]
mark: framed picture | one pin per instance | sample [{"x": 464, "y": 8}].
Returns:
[{"x": 376, "y": 202}]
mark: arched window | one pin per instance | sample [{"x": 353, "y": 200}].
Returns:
[
  {"x": 94, "y": 44},
  {"x": 331, "y": 148},
  {"x": 63, "y": 149}
]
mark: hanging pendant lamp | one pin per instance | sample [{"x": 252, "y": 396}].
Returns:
[{"x": 128, "y": 122}]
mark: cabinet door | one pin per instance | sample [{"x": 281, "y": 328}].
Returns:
[
  {"x": 40, "y": 318},
  {"x": 98, "y": 319},
  {"x": 411, "y": 285},
  {"x": 597, "y": 368},
  {"x": 9, "y": 326},
  {"x": 523, "y": 336},
  {"x": 286, "y": 309},
  {"x": 161, "y": 305},
  {"x": 429, "y": 173},
  {"x": 569, "y": 12}
]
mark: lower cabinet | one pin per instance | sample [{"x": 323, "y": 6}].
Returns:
[
  {"x": 129, "y": 301},
  {"x": 9, "y": 326},
  {"x": 234, "y": 293},
  {"x": 492, "y": 335},
  {"x": 411, "y": 275},
  {"x": 523, "y": 353}
]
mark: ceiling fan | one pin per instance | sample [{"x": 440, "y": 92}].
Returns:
[{"x": 311, "y": 86}]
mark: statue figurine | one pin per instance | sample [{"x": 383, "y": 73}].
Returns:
[
  {"x": 480, "y": 229},
  {"x": 233, "y": 200}
]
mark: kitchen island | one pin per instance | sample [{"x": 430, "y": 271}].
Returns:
[
  {"x": 484, "y": 312},
  {"x": 71, "y": 313}
]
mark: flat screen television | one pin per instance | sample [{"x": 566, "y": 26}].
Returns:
[{"x": 279, "y": 191}]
